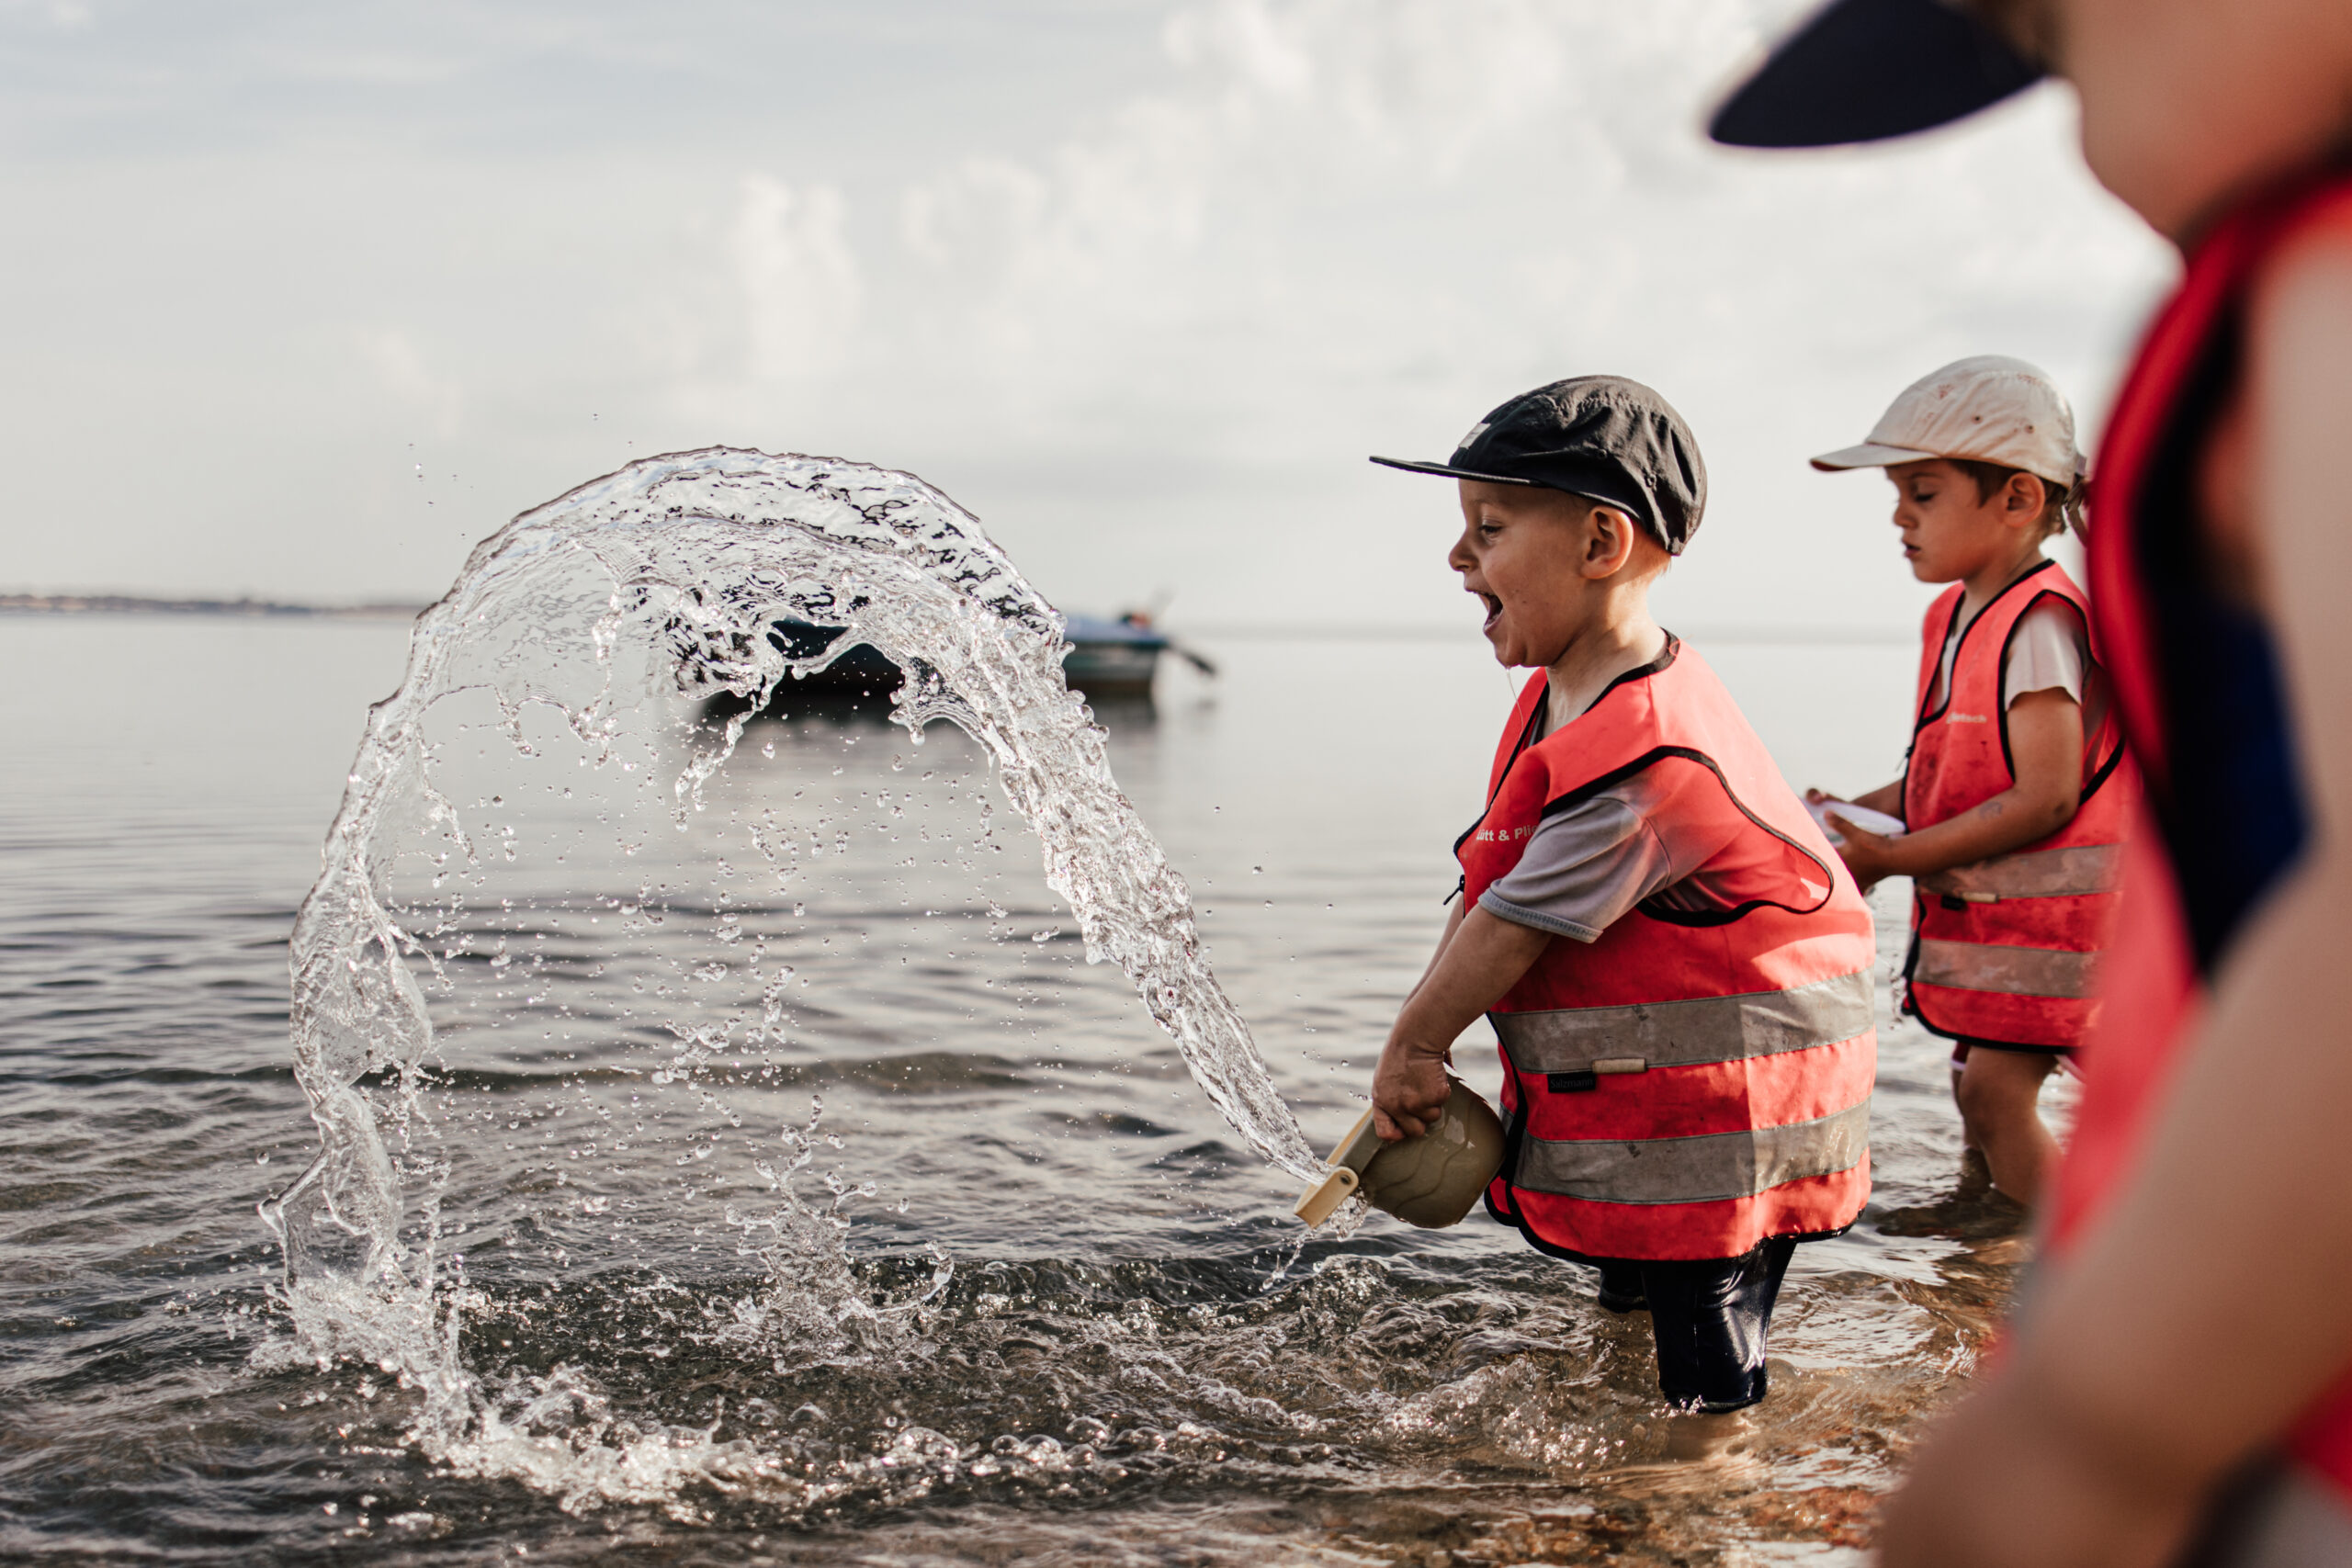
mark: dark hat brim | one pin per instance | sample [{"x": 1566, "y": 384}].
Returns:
[
  {"x": 1867, "y": 70},
  {"x": 1449, "y": 472},
  {"x": 1588, "y": 491}
]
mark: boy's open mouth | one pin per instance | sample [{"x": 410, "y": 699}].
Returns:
[{"x": 1493, "y": 608}]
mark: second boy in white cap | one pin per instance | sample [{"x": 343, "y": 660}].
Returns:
[{"x": 2014, "y": 811}]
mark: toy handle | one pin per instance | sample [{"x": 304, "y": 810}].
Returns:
[{"x": 1354, "y": 1152}]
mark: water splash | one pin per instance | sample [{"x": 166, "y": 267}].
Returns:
[{"x": 674, "y": 568}]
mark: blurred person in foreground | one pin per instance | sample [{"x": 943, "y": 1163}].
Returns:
[{"x": 2176, "y": 1388}]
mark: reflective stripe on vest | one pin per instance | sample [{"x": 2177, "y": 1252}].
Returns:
[
  {"x": 2033, "y": 874},
  {"x": 2013, "y": 971},
  {"x": 1707, "y": 1167},
  {"x": 1703, "y": 1029},
  {"x": 1649, "y": 1073},
  {"x": 2002, "y": 947}
]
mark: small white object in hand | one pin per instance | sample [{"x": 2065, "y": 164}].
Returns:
[{"x": 1861, "y": 816}]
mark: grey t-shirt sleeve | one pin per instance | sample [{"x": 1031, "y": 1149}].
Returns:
[{"x": 1582, "y": 870}]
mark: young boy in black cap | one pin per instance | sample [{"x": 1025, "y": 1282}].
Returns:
[{"x": 1677, "y": 964}]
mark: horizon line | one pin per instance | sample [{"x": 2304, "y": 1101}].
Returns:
[{"x": 245, "y": 605}]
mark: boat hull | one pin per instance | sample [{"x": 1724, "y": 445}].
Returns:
[{"x": 1107, "y": 660}]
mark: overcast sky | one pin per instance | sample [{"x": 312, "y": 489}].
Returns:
[{"x": 302, "y": 299}]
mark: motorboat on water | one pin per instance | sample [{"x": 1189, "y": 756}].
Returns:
[
  {"x": 1109, "y": 658},
  {"x": 1119, "y": 657}
]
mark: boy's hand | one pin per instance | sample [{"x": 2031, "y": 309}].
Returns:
[
  {"x": 1408, "y": 1089},
  {"x": 1870, "y": 856}
]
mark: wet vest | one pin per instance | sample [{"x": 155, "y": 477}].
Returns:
[
  {"x": 1690, "y": 1084},
  {"x": 2187, "y": 884},
  {"x": 2006, "y": 950}
]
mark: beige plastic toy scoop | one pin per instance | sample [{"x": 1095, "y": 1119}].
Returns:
[{"x": 1430, "y": 1182}]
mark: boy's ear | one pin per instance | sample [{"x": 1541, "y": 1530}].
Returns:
[
  {"x": 1608, "y": 541},
  {"x": 1613, "y": 541},
  {"x": 2023, "y": 499}
]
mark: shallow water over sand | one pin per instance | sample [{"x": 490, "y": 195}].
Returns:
[{"x": 1112, "y": 1371}]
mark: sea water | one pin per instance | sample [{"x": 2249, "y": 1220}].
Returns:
[{"x": 818, "y": 1199}]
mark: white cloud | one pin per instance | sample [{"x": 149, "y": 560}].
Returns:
[
  {"x": 67, "y": 15},
  {"x": 1147, "y": 307},
  {"x": 801, "y": 284},
  {"x": 1345, "y": 225}
]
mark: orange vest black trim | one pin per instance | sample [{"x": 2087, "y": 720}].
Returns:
[
  {"x": 2179, "y": 905},
  {"x": 2006, "y": 950},
  {"x": 1689, "y": 1085}
]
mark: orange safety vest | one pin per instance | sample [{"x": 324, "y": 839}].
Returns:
[
  {"x": 2006, "y": 950},
  {"x": 2154, "y": 980},
  {"x": 1689, "y": 1085}
]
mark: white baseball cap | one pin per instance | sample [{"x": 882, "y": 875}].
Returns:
[{"x": 1990, "y": 409}]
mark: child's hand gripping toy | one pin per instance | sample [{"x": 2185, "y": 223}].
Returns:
[{"x": 1430, "y": 1182}]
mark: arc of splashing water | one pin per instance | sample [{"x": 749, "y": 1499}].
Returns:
[{"x": 721, "y": 543}]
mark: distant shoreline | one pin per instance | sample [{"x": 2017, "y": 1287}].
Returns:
[{"x": 131, "y": 604}]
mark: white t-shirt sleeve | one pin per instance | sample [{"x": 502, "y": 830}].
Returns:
[{"x": 2050, "y": 650}]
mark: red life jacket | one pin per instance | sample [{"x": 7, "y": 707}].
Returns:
[
  {"x": 1689, "y": 1085},
  {"x": 2006, "y": 950},
  {"x": 2155, "y": 992}
]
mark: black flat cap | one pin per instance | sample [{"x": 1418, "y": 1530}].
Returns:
[
  {"x": 1865, "y": 70},
  {"x": 1603, "y": 437}
]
